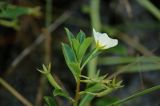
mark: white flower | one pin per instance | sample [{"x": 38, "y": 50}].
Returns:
[{"x": 103, "y": 41}]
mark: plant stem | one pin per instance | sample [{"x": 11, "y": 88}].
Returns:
[
  {"x": 96, "y": 24},
  {"x": 49, "y": 10},
  {"x": 13, "y": 91},
  {"x": 77, "y": 97},
  {"x": 90, "y": 57},
  {"x": 95, "y": 14},
  {"x": 52, "y": 81},
  {"x": 149, "y": 90}
]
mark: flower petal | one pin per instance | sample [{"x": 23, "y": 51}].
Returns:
[
  {"x": 103, "y": 40},
  {"x": 95, "y": 35}
]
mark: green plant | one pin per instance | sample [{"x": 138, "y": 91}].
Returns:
[
  {"x": 77, "y": 57},
  {"x": 10, "y": 14}
]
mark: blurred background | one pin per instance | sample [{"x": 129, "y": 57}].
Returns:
[{"x": 31, "y": 33}]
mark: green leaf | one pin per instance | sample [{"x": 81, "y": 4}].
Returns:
[
  {"x": 135, "y": 95},
  {"x": 52, "y": 81},
  {"x": 89, "y": 56},
  {"x": 94, "y": 88},
  {"x": 68, "y": 53},
  {"x": 70, "y": 36},
  {"x": 75, "y": 45},
  {"x": 81, "y": 36},
  {"x": 10, "y": 23},
  {"x": 105, "y": 101},
  {"x": 127, "y": 59},
  {"x": 50, "y": 101},
  {"x": 83, "y": 48},
  {"x": 96, "y": 84},
  {"x": 75, "y": 68},
  {"x": 137, "y": 64},
  {"x": 142, "y": 68},
  {"x": 47, "y": 72},
  {"x": 60, "y": 92},
  {"x": 86, "y": 99},
  {"x": 13, "y": 12},
  {"x": 71, "y": 60}
]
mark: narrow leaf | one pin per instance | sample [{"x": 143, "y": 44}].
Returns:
[
  {"x": 60, "y": 92},
  {"x": 127, "y": 59},
  {"x": 106, "y": 101},
  {"x": 50, "y": 101},
  {"x": 90, "y": 56},
  {"x": 75, "y": 45},
  {"x": 142, "y": 68},
  {"x": 70, "y": 36},
  {"x": 68, "y": 53},
  {"x": 83, "y": 48},
  {"x": 81, "y": 36},
  {"x": 13, "y": 12},
  {"x": 135, "y": 95},
  {"x": 86, "y": 99},
  {"x": 95, "y": 88},
  {"x": 71, "y": 60},
  {"x": 75, "y": 68}
]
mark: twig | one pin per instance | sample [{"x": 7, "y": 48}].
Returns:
[
  {"x": 15, "y": 93},
  {"x": 38, "y": 41},
  {"x": 47, "y": 60},
  {"x": 128, "y": 8},
  {"x": 30, "y": 48},
  {"x": 135, "y": 44},
  {"x": 147, "y": 4},
  {"x": 123, "y": 69}
]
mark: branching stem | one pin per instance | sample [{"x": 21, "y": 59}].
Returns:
[{"x": 77, "y": 97}]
